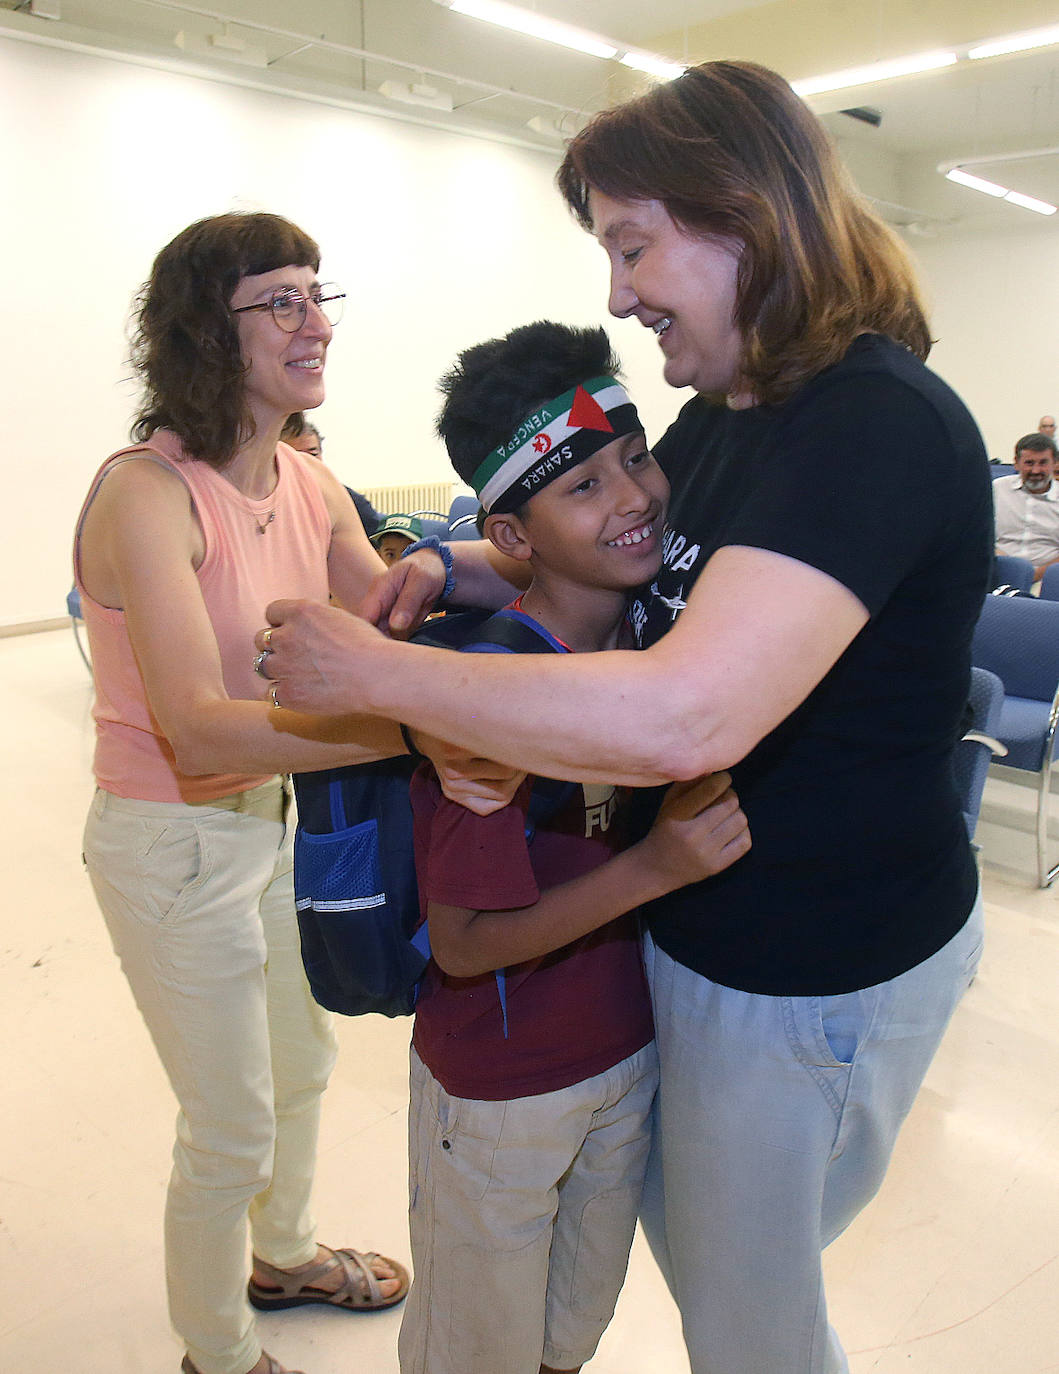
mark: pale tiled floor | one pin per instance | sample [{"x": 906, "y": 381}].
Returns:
[{"x": 952, "y": 1270}]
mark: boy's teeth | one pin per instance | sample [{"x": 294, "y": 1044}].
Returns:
[{"x": 632, "y": 536}]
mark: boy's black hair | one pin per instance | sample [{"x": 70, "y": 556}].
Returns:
[{"x": 496, "y": 384}]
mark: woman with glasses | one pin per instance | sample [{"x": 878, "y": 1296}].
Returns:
[
  {"x": 810, "y": 629},
  {"x": 182, "y": 541}
]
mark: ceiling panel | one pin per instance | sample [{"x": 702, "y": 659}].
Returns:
[{"x": 498, "y": 81}]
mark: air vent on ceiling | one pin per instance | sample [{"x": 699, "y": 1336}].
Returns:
[{"x": 867, "y": 114}]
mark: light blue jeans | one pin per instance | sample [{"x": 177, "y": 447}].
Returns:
[{"x": 776, "y": 1118}]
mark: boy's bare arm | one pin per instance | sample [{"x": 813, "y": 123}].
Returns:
[{"x": 700, "y": 830}]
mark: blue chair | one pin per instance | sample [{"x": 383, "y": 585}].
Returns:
[
  {"x": 463, "y": 518},
  {"x": 1017, "y": 638},
  {"x": 432, "y": 522},
  {"x": 1050, "y": 583},
  {"x": 77, "y": 620},
  {"x": 1009, "y": 571},
  {"x": 978, "y": 746},
  {"x": 1001, "y": 470}
]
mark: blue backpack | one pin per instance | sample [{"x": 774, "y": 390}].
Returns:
[{"x": 362, "y": 943}]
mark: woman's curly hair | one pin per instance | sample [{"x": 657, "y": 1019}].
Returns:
[
  {"x": 731, "y": 152},
  {"x": 185, "y": 343}
]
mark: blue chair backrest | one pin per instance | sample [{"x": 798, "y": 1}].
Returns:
[
  {"x": 1017, "y": 637},
  {"x": 1012, "y": 572},
  {"x": 971, "y": 758},
  {"x": 1001, "y": 470},
  {"x": 463, "y": 513},
  {"x": 432, "y": 522},
  {"x": 1050, "y": 583}
]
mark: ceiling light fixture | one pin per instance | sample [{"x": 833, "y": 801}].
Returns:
[
  {"x": 924, "y": 62},
  {"x": 1042, "y": 207},
  {"x": 875, "y": 71},
  {"x": 653, "y": 65},
  {"x": 1015, "y": 42},
  {"x": 554, "y": 31},
  {"x": 998, "y": 192},
  {"x": 962, "y": 178},
  {"x": 535, "y": 25}
]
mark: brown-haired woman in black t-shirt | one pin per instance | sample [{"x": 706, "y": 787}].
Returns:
[{"x": 799, "y": 635}]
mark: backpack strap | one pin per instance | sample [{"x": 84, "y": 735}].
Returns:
[
  {"x": 510, "y": 631},
  {"x": 337, "y": 805}
]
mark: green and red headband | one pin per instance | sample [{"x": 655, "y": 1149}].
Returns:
[{"x": 556, "y": 437}]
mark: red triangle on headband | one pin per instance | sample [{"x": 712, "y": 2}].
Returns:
[{"x": 587, "y": 413}]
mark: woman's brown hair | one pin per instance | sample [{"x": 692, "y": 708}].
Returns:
[
  {"x": 731, "y": 152},
  {"x": 185, "y": 344}
]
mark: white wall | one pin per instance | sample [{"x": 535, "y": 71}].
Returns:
[
  {"x": 995, "y": 315},
  {"x": 440, "y": 240}
]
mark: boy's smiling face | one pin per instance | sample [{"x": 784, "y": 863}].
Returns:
[{"x": 597, "y": 525}]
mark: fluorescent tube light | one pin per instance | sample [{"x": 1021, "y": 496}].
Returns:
[
  {"x": 989, "y": 188},
  {"x": 653, "y": 65},
  {"x": 876, "y": 71},
  {"x": 1041, "y": 207},
  {"x": 536, "y": 25},
  {"x": 1015, "y": 42}
]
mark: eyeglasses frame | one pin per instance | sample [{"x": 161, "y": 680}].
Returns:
[{"x": 317, "y": 298}]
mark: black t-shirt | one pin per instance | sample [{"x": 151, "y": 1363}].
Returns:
[{"x": 875, "y": 473}]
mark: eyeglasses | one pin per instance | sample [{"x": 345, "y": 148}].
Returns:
[{"x": 289, "y": 306}]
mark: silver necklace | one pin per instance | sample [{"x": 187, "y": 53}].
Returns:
[{"x": 261, "y": 528}]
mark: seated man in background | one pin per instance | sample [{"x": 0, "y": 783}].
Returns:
[
  {"x": 1026, "y": 505},
  {"x": 1046, "y": 425}
]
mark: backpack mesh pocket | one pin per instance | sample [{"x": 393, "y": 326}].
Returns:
[{"x": 356, "y": 956}]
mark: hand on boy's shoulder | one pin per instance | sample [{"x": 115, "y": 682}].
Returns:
[{"x": 480, "y": 785}]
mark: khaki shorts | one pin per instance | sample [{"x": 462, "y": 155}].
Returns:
[{"x": 522, "y": 1214}]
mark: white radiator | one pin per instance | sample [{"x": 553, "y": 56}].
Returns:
[{"x": 407, "y": 500}]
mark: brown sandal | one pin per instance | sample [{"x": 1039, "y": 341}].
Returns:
[
  {"x": 360, "y": 1292},
  {"x": 273, "y": 1368}
]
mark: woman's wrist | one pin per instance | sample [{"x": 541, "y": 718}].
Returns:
[{"x": 443, "y": 551}]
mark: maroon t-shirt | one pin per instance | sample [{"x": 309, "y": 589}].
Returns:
[{"x": 571, "y": 1014}]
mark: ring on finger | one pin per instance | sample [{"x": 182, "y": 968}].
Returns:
[
  {"x": 273, "y": 691},
  {"x": 259, "y": 662},
  {"x": 266, "y": 639}
]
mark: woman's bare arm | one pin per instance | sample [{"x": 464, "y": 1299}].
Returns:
[
  {"x": 700, "y": 830},
  {"x": 760, "y": 630},
  {"x": 401, "y": 600},
  {"x": 137, "y": 554},
  {"x": 352, "y": 562}
]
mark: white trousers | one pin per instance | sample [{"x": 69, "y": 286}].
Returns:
[{"x": 199, "y": 903}]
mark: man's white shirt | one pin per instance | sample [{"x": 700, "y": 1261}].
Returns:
[{"x": 1027, "y": 526}]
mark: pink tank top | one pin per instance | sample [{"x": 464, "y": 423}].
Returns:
[{"x": 242, "y": 571}]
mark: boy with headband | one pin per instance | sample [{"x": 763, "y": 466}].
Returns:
[{"x": 531, "y": 1099}]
